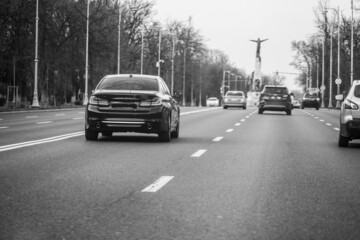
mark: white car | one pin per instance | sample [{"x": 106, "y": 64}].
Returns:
[
  {"x": 350, "y": 115},
  {"x": 296, "y": 104},
  {"x": 212, "y": 102}
]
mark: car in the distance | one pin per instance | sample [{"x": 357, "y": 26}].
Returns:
[
  {"x": 234, "y": 99},
  {"x": 310, "y": 100},
  {"x": 296, "y": 104},
  {"x": 349, "y": 115},
  {"x": 132, "y": 103},
  {"x": 275, "y": 98},
  {"x": 212, "y": 102}
]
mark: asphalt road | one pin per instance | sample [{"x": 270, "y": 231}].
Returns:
[{"x": 232, "y": 174}]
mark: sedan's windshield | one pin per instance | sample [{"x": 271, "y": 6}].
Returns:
[
  {"x": 277, "y": 90},
  {"x": 310, "y": 96},
  {"x": 357, "y": 91},
  {"x": 129, "y": 83}
]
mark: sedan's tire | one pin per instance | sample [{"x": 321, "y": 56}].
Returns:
[
  {"x": 260, "y": 111},
  {"x": 288, "y": 112},
  {"x": 91, "y": 135},
  {"x": 317, "y": 108},
  {"x": 175, "y": 134},
  {"x": 302, "y": 107},
  {"x": 166, "y": 135},
  {"x": 107, "y": 134},
  {"x": 343, "y": 141},
  {"x": 244, "y": 108},
  {"x": 225, "y": 107}
]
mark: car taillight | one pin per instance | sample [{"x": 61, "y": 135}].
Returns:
[
  {"x": 98, "y": 101},
  {"x": 350, "y": 105},
  {"x": 156, "y": 101}
]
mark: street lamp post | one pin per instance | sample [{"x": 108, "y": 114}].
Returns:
[
  {"x": 142, "y": 52},
  {"x": 352, "y": 44},
  {"x": 85, "y": 102},
  {"x": 323, "y": 73},
  {"x": 119, "y": 30},
  {"x": 184, "y": 77},
  {"x": 35, "y": 102},
  {"x": 159, "y": 61},
  {"x": 331, "y": 62},
  {"x": 223, "y": 83}
]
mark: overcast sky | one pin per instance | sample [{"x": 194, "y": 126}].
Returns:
[{"x": 228, "y": 25}]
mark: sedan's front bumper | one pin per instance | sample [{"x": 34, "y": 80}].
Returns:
[{"x": 153, "y": 121}]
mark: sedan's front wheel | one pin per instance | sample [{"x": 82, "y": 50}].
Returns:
[
  {"x": 343, "y": 141},
  {"x": 175, "y": 134},
  {"x": 91, "y": 135}
]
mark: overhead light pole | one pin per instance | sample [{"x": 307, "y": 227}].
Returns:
[
  {"x": 184, "y": 76},
  {"x": 119, "y": 39},
  {"x": 352, "y": 44},
  {"x": 142, "y": 51},
  {"x": 159, "y": 57},
  {"x": 35, "y": 102},
  {"x": 85, "y": 102}
]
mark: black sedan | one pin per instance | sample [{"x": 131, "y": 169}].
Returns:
[{"x": 132, "y": 103}]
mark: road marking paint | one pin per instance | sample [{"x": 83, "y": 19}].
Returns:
[
  {"x": 60, "y": 114},
  {"x": 229, "y": 130},
  {"x": 247, "y": 116},
  {"x": 197, "y": 111},
  {"x": 328, "y": 124},
  {"x": 161, "y": 182},
  {"x": 237, "y": 124},
  {"x": 31, "y": 116},
  {"x": 321, "y": 120},
  {"x": 316, "y": 117},
  {"x": 1, "y": 119},
  {"x": 198, "y": 153},
  {"x": 41, "y": 141},
  {"x": 44, "y": 122},
  {"x": 217, "y": 139},
  {"x": 337, "y": 129},
  {"x": 243, "y": 120},
  {"x": 3, "y": 127},
  {"x": 79, "y": 118}
]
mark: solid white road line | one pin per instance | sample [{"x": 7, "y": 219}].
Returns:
[
  {"x": 41, "y": 141},
  {"x": 162, "y": 181},
  {"x": 229, "y": 130},
  {"x": 199, "y": 153},
  {"x": 80, "y": 118},
  {"x": 3, "y": 127},
  {"x": 60, "y": 114},
  {"x": 217, "y": 139},
  {"x": 44, "y": 122},
  {"x": 31, "y": 116},
  {"x": 337, "y": 129},
  {"x": 197, "y": 111}
]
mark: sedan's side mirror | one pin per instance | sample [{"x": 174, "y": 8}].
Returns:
[{"x": 339, "y": 97}]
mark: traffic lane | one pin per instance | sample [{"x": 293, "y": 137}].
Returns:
[
  {"x": 53, "y": 188},
  {"x": 269, "y": 179}
]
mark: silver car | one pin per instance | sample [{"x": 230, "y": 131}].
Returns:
[
  {"x": 235, "y": 99},
  {"x": 350, "y": 115}
]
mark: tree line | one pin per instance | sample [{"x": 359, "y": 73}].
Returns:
[
  {"x": 324, "y": 42},
  {"x": 62, "y": 41}
]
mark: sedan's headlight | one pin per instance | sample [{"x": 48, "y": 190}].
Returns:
[{"x": 98, "y": 101}]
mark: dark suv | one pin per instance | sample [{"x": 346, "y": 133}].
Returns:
[
  {"x": 310, "y": 101},
  {"x": 275, "y": 98}
]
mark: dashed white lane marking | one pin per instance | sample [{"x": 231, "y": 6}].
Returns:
[
  {"x": 60, "y": 114},
  {"x": 321, "y": 120},
  {"x": 79, "y": 118},
  {"x": 1, "y": 119},
  {"x": 3, "y": 127},
  {"x": 337, "y": 129},
  {"x": 31, "y": 116},
  {"x": 217, "y": 139},
  {"x": 247, "y": 116},
  {"x": 198, "y": 153},
  {"x": 161, "y": 182},
  {"x": 229, "y": 130},
  {"x": 237, "y": 124},
  {"x": 328, "y": 124},
  {"x": 243, "y": 120},
  {"x": 44, "y": 122},
  {"x": 316, "y": 117}
]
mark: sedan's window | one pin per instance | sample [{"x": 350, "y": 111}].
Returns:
[
  {"x": 239, "y": 94},
  {"x": 310, "y": 96},
  {"x": 277, "y": 90},
  {"x": 129, "y": 83},
  {"x": 357, "y": 91}
]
